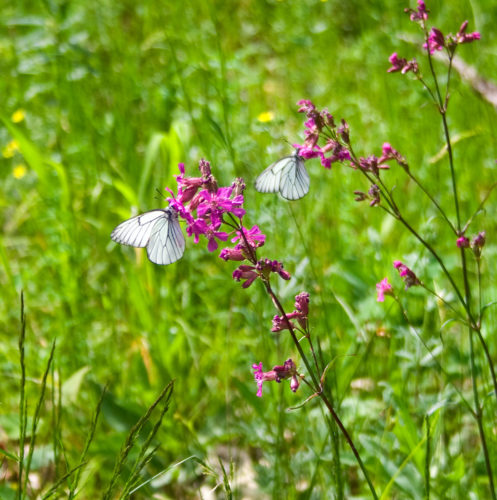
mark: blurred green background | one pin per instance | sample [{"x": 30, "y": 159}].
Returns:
[{"x": 102, "y": 100}]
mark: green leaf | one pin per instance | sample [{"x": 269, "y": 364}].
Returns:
[{"x": 71, "y": 387}]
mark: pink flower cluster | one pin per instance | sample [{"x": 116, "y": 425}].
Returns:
[
  {"x": 279, "y": 372},
  {"x": 300, "y": 314},
  {"x": 476, "y": 244},
  {"x": 421, "y": 14},
  {"x": 202, "y": 204},
  {"x": 437, "y": 41},
  {"x": 385, "y": 288},
  {"x": 321, "y": 124},
  {"x": 262, "y": 268},
  {"x": 434, "y": 41}
]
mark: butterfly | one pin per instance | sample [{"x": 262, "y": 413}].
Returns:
[
  {"x": 158, "y": 230},
  {"x": 288, "y": 176}
]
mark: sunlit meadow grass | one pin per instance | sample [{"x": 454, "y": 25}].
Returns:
[{"x": 102, "y": 101}]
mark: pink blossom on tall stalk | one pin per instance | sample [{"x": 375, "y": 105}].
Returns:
[
  {"x": 402, "y": 65},
  {"x": 383, "y": 288},
  {"x": 462, "y": 242},
  {"x": 478, "y": 243},
  {"x": 263, "y": 268},
  {"x": 300, "y": 314},
  {"x": 317, "y": 122},
  {"x": 202, "y": 204},
  {"x": 435, "y": 41},
  {"x": 389, "y": 153},
  {"x": 410, "y": 279},
  {"x": 463, "y": 37},
  {"x": 277, "y": 374},
  {"x": 421, "y": 14},
  {"x": 252, "y": 236}
]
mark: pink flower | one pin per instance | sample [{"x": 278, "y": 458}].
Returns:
[
  {"x": 402, "y": 65},
  {"x": 300, "y": 314},
  {"x": 306, "y": 106},
  {"x": 390, "y": 153},
  {"x": 232, "y": 254},
  {"x": 280, "y": 323},
  {"x": 279, "y": 372},
  {"x": 302, "y": 303},
  {"x": 307, "y": 152},
  {"x": 374, "y": 195},
  {"x": 410, "y": 279},
  {"x": 421, "y": 14},
  {"x": 247, "y": 273},
  {"x": 383, "y": 288},
  {"x": 253, "y": 237},
  {"x": 479, "y": 239},
  {"x": 214, "y": 205},
  {"x": 267, "y": 266},
  {"x": 396, "y": 62},
  {"x": 436, "y": 41},
  {"x": 463, "y": 37},
  {"x": 462, "y": 242},
  {"x": 478, "y": 243}
]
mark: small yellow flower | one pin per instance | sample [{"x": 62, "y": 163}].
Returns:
[
  {"x": 19, "y": 171},
  {"x": 9, "y": 150},
  {"x": 266, "y": 116},
  {"x": 18, "y": 116}
]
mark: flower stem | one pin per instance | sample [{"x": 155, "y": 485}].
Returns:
[
  {"x": 479, "y": 417},
  {"x": 318, "y": 387}
]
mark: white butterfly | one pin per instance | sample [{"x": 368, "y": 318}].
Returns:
[
  {"x": 158, "y": 230},
  {"x": 287, "y": 176}
]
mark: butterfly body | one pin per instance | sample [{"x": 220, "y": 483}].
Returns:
[
  {"x": 288, "y": 176},
  {"x": 157, "y": 230}
]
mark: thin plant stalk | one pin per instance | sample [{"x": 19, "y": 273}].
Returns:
[
  {"x": 61, "y": 480},
  {"x": 427, "y": 458},
  {"x": 23, "y": 417},
  {"x": 479, "y": 417},
  {"x": 478, "y": 410},
  {"x": 143, "y": 457},
  {"x": 131, "y": 439},
  {"x": 36, "y": 418},
  {"x": 89, "y": 439}
]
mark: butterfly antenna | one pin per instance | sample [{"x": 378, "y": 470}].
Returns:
[
  {"x": 287, "y": 141},
  {"x": 160, "y": 194}
]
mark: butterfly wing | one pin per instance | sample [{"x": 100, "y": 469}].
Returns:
[
  {"x": 287, "y": 176},
  {"x": 269, "y": 180},
  {"x": 136, "y": 231},
  {"x": 294, "y": 182},
  {"x": 158, "y": 230},
  {"x": 167, "y": 243}
]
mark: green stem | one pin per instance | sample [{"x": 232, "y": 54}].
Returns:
[
  {"x": 439, "y": 208},
  {"x": 427, "y": 458},
  {"x": 22, "y": 402},
  {"x": 452, "y": 170},
  {"x": 479, "y": 417}
]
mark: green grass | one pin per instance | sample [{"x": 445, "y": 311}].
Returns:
[{"x": 115, "y": 94}]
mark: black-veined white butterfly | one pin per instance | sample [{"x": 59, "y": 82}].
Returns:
[
  {"x": 158, "y": 230},
  {"x": 287, "y": 176}
]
